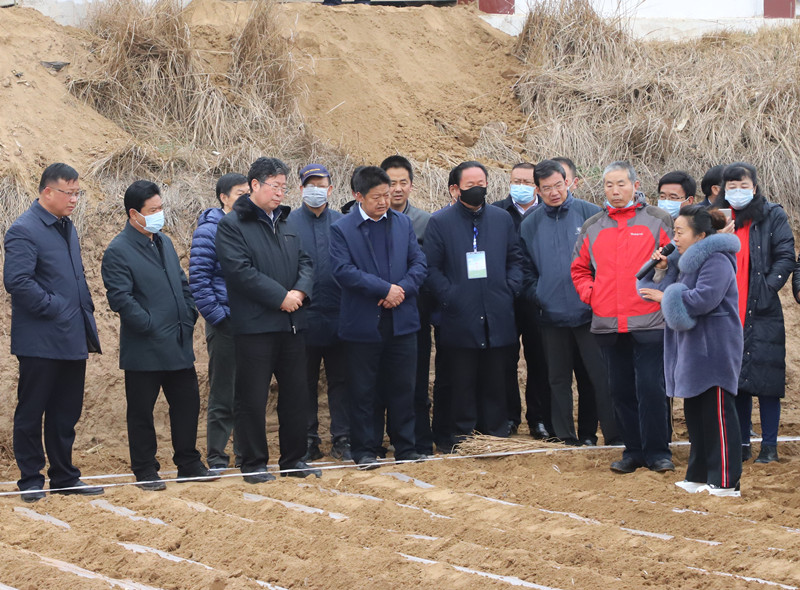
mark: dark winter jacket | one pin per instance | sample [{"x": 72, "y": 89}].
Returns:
[
  {"x": 315, "y": 238},
  {"x": 355, "y": 268},
  {"x": 205, "y": 273},
  {"x": 508, "y": 206},
  {"x": 611, "y": 248},
  {"x": 419, "y": 219},
  {"x": 771, "y": 262},
  {"x": 51, "y": 307},
  {"x": 262, "y": 262},
  {"x": 548, "y": 236},
  {"x": 475, "y": 313},
  {"x": 703, "y": 337},
  {"x": 147, "y": 287}
]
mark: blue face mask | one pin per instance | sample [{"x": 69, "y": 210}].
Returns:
[
  {"x": 521, "y": 194},
  {"x": 739, "y": 198},
  {"x": 153, "y": 223},
  {"x": 315, "y": 196},
  {"x": 630, "y": 204},
  {"x": 671, "y": 207}
]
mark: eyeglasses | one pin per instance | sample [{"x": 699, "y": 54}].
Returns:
[
  {"x": 275, "y": 187},
  {"x": 525, "y": 182},
  {"x": 70, "y": 194},
  {"x": 559, "y": 186}
]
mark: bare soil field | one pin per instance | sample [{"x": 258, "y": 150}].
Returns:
[{"x": 378, "y": 80}]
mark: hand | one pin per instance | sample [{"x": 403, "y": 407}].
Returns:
[
  {"x": 651, "y": 294},
  {"x": 662, "y": 264},
  {"x": 293, "y": 301},
  {"x": 728, "y": 229},
  {"x": 393, "y": 298}
]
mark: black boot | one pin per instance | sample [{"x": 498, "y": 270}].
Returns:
[
  {"x": 768, "y": 454},
  {"x": 747, "y": 454}
]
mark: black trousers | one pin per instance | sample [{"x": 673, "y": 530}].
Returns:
[
  {"x": 183, "y": 396},
  {"x": 258, "y": 358},
  {"x": 537, "y": 385},
  {"x": 478, "y": 378},
  {"x": 381, "y": 375},
  {"x": 335, "y": 359},
  {"x": 715, "y": 456},
  {"x": 52, "y": 389},
  {"x": 221, "y": 379}
]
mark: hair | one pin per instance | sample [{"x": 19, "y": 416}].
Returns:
[
  {"x": 138, "y": 193},
  {"x": 353, "y": 178},
  {"x": 226, "y": 183},
  {"x": 455, "y": 174},
  {"x": 704, "y": 220},
  {"x": 398, "y": 161},
  {"x": 682, "y": 178},
  {"x": 368, "y": 177},
  {"x": 712, "y": 177},
  {"x": 738, "y": 171},
  {"x": 621, "y": 165},
  {"x": 547, "y": 168},
  {"x": 567, "y": 163},
  {"x": 264, "y": 168},
  {"x": 523, "y": 166},
  {"x": 55, "y": 172}
]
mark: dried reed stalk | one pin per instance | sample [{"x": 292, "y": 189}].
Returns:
[{"x": 482, "y": 444}]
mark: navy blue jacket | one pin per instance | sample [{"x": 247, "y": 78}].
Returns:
[
  {"x": 703, "y": 337},
  {"x": 149, "y": 291},
  {"x": 548, "y": 238},
  {"x": 507, "y": 205},
  {"x": 472, "y": 309},
  {"x": 51, "y": 308},
  {"x": 315, "y": 239},
  {"x": 355, "y": 268},
  {"x": 205, "y": 274}
]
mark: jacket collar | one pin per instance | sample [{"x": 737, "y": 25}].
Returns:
[
  {"x": 310, "y": 214},
  {"x": 43, "y": 214},
  {"x": 247, "y": 210},
  {"x": 698, "y": 253},
  {"x": 563, "y": 207},
  {"x": 136, "y": 236},
  {"x": 462, "y": 208},
  {"x": 755, "y": 211}
]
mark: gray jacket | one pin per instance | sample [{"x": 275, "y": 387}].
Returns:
[
  {"x": 419, "y": 220},
  {"x": 51, "y": 308},
  {"x": 146, "y": 285}
]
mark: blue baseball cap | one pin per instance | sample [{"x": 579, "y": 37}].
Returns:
[{"x": 313, "y": 170}]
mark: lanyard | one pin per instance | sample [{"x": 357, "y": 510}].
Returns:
[{"x": 474, "y": 238}]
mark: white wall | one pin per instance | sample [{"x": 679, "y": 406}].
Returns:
[{"x": 673, "y": 9}]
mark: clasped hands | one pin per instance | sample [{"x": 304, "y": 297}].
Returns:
[
  {"x": 293, "y": 301},
  {"x": 393, "y": 298}
]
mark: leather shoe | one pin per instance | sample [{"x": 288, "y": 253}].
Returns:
[
  {"x": 768, "y": 454},
  {"x": 539, "y": 431},
  {"x": 33, "y": 494},
  {"x": 81, "y": 489},
  {"x": 625, "y": 465},
  {"x": 151, "y": 483},
  {"x": 588, "y": 442},
  {"x": 301, "y": 469},
  {"x": 662, "y": 465},
  {"x": 367, "y": 462},
  {"x": 312, "y": 451},
  {"x": 197, "y": 473},
  {"x": 341, "y": 449},
  {"x": 412, "y": 456},
  {"x": 259, "y": 476},
  {"x": 747, "y": 453}
]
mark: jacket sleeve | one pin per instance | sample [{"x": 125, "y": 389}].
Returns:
[
  {"x": 781, "y": 244},
  {"x": 305, "y": 274},
  {"x": 671, "y": 276},
  {"x": 713, "y": 281},
  {"x": 796, "y": 280},
  {"x": 118, "y": 281},
  {"x": 514, "y": 262},
  {"x": 530, "y": 272},
  {"x": 348, "y": 275},
  {"x": 187, "y": 298},
  {"x": 19, "y": 272},
  {"x": 582, "y": 270},
  {"x": 202, "y": 261},
  {"x": 434, "y": 250},
  {"x": 239, "y": 271},
  {"x": 417, "y": 267}
]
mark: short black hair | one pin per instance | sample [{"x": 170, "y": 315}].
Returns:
[
  {"x": 738, "y": 171},
  {"x": 137, "y": 193},
  {"x": 226, "y": 183},
  {"x": 524, "y": 166},
  {"x": 704, "y": 220},
  {"x": 712, "y": 177},
  {"x": 353, "y": 178},
  {"x": 567, "y": 163},
  {"x": 398, "y": 161},
  {"x": 688, "y": 184},
  {"x": 264, "y": 168},
  {"x": 368, "y": 177},
  {"x": 55, "y": 172},
  {"x": 547, "y": 168},
  {"x": 455, "y": 174}
]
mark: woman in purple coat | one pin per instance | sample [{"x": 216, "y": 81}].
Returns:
[{"x": 696, "y": 286}]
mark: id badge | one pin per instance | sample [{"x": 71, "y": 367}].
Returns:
[{"x": 476, "y": 265}]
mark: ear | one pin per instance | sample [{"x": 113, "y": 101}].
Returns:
[
  {"x": 636, "y": 185},
  {"x": 330, "y": 189},
  {"x": 455, "y": 192},
  {"x": 359, "y": 197},
  {"x": 690, "y": 199}
]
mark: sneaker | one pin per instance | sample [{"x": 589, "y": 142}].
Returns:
[
  {"x": 690, "y": 486},
  {"x": 625, "y": 465},
  {"x": 721, "y": 492},
  {"x": 341, "y": 449},
  {"x": 662, "y": 466},
  {"x": 312, "y": 453}
]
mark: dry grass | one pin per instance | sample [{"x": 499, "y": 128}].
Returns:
[
  {"x": 595, "y": 94},
  {"x": 483, "y": 444}
]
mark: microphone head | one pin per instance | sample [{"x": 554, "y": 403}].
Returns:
[{"x": 668, "y": 249}]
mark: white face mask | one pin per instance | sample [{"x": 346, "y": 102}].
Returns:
[
  {"x": 315, "y": 196},
  {"x": 739, "y": 198},
  {"x": 153, "y": 223}
]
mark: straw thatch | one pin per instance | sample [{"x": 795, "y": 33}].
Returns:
[
  {"x": 483, "y": 444},
  {"x": 595, "y": 94}
]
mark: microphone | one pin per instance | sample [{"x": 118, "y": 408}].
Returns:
[{"x": 651, "y": 264}]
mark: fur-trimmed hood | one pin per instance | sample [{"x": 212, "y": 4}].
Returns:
[{"x": 698, "y": 253}]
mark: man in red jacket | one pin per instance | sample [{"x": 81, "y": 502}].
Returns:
[{"x": 611, "y": 247}]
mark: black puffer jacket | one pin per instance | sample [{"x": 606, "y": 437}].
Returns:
[{"x": 771, "y": 262}]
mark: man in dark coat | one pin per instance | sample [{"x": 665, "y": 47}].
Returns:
[
  {"x": 211, "y": 296},
  {"x": 52, "y": 333},
  {"x": 147, "y": 287},
  {"x": 269, "y": 280},
  {"x": 475, "y": 272},
  {"x": 380, "y": 267},
  {"x": 313, "y": 224}
]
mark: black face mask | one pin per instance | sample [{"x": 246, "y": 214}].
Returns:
[{"x": 474, "y": 196}]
